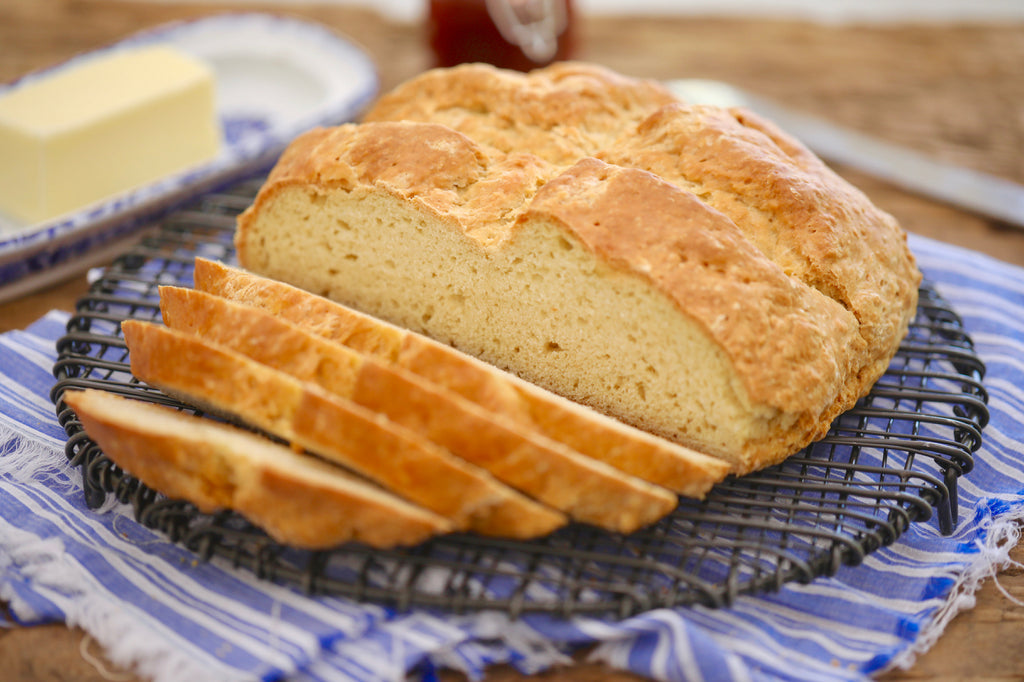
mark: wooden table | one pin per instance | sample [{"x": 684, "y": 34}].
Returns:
[{"x": 955, "y": 92}]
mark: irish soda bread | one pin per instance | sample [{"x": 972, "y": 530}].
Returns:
[{"x": 692, "y": 271}]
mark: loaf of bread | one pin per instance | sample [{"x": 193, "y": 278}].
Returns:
[
  {"x": 688, "y": 270},
  {"x": 507, "y": 398},
  {"x": 549, "y": 472},
  {"x": 297, "y": 499},
  {"x": 227, "y": 383}
]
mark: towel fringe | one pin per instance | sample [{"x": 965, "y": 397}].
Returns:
[
  {"x": 999, "y": 536},
  {"x": 55, "y": 576}
]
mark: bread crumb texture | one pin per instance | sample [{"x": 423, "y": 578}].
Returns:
[{"x": 689, "y": 270}]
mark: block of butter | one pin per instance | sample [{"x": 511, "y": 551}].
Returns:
[{"x": 96, "y": 129}]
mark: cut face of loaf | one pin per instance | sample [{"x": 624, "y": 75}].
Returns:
[
  {"x": 522, "y": 405},
  {"x": 297, "y": 499},
  {"x": 693, "y": 273}
]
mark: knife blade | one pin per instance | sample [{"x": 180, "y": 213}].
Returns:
[{"x": 965, "y": 188}]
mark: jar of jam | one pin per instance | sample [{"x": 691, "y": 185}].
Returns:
[{"x": 512, "y": 34}]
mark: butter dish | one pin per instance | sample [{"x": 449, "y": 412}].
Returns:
[{"x": 275, "y": 78}]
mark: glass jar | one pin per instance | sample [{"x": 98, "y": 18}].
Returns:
[{"x": 512, "y": 34}]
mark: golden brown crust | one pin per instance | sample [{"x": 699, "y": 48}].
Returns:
[
  {"x": 525, "y": 405},
  {"x": 421, "y": 158},
  {"x": 296, "y": 499},
  {"x": 567, "y": 109},
  {"x": 426, "y": 163}
]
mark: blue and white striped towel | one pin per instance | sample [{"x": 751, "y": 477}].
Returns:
[{"x": 157, "y": 609}]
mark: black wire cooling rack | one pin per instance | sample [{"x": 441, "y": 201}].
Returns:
[{"x": 891, "y": 461}]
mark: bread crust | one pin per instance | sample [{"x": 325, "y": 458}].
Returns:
[
  {"x": 568, "y": 109},
  {"x": 298, "y": 500}
]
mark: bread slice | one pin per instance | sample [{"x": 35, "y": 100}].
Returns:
[
  {"x": 224, "y": 382},
  {"x": 297, "y": 499},
  {"x": 529, "y": 407},
  {"x": 588, "y": 490}
]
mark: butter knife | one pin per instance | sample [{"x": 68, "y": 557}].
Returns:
[{"x": 982, "y": 193}]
